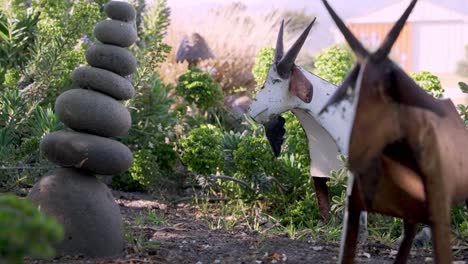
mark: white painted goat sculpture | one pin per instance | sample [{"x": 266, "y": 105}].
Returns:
[
  {"x": 408, "y": 151},
  {"x": 291, "y": 88}
]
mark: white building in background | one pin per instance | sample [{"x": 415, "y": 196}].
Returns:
[{"x": 433, "y": 39}]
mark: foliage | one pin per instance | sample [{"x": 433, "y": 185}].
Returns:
[
  {"x": 462, "y": 68},
  {"x": 253, "y": 156},
  {"x": 429, "y": 82},
  {"x": 151, "y": 50},
  {"x": 201, "y": 150},
  {"x": 262, "y": 65},
  {"x": 17, "y": 35},
  {"x": 333, "y": 63},
  {"x": 64, "y": 32},
  {"x": 153, "y": 165},
  {"x": 25, "y": 230},
  {"x": 463, "y": 109},
  {"x": 338, "y": 185},
  {"x": 296, "y": 142},
  {"x": 198, "y": 87}
]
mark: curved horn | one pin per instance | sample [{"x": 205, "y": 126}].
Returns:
[
  {"x": 392, "y": 36},
  {"x": 353, "y": 42},
  {"x": 340, "y": 93},
  {"x": 279, "y": 51},
  {"x": 286, "y": 64}
]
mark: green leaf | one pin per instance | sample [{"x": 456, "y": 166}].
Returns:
[{"x": 463, "y": 86}]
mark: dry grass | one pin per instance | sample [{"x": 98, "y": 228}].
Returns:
[{"x": 234, "y": 34}]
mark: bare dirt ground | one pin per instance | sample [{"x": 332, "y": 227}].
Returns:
[{"x": 177, "y": 234}]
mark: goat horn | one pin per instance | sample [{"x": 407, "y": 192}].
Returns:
[
  {"x": 349, "y": 80},
  {"x": 279, "y": 51},
  {"x": 392, "y": 36},
  {"x": 353, "y": 42},
  {"x": 286, "y": 64}
]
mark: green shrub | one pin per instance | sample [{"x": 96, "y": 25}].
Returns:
[
  {"x": 338, "y": 184},
  {"x": 125, "y": 182},
  {"x": 333, "y": 63},
  {"x": 202, "y": 150},
  {"x": 253, "y": 156},
  {"x": 154, "y": 165},
  {"x": 429, "y": 82},
  {"x": 463, "y": 109},
  {"x": 231, "y": 141},
  {"x": 198, "y": 87},
  {"x": 262, "y": 65},
  {"x": 296, "y": 142},
  {"x": 25, "y": 231}
]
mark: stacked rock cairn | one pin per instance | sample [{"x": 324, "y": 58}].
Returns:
[{"x": 92, "y": 112}]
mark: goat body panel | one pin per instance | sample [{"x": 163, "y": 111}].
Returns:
[
  {"x": 323, "y": 150},
  {"x": 442, "y": 138},
  {"x": 400, "y": 193}
]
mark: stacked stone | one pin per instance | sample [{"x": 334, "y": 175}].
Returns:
[{"x": 72, "y": 193}]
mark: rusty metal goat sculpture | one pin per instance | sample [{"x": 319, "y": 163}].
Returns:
[
  {"x": 406, "y": 150},
  {"x": 291, "y": 88}
]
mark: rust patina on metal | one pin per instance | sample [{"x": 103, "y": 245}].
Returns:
[{"x": 406, "y": 150}]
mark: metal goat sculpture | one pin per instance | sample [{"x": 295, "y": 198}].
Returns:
[
  {"x": 290, "y": 88},
  {"x": 406, "y": 150}
]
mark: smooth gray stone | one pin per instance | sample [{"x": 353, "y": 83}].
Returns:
[
  {"x": 92, "y": 153},
  {"x": 113, "y": 58},
  {"x": 86, "y": 209},
  {"x": 120, "y": 10},
  {"x": 92, "y": 112},
  {"x": 103, "y": 81},
  {"x": 115, "y": 32}
]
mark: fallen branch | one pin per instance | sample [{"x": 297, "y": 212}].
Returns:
[
  {"x": 224, "y": 177},
  {"x": 208, "y": 199},
  {"x": 27, "y": 167}
]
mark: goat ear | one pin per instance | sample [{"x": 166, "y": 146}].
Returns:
[{"x": 300, "y": 86}]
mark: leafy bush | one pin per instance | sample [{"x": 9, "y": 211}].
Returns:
[
  {"x": 338, "y": 184},
  {"x": 296, "y": 142},
  {"x": 202, "y": 150},
  {"x": 333, "y": 63},
  {"x": 25, "y": 231},
  {"x": 429, "y": 82},
  {"x": 198, "y": 87},
  {"x": 463, "y": 109},
  {"x": 18, "y": 29},
  {"x": 262, "y": 64},
  {"x": 153, "y": 165},
  {"x": 254, "y": 156}
]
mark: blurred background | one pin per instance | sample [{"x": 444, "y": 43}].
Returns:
[{"x": 435, "y": 38}]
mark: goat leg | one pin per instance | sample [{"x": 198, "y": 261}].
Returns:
[
  {"x": 409, "y": 230},
  {"x": 438, "y": 205},
  {"x": 323, "y": 198},
  {"x": 350, "y": 227}
]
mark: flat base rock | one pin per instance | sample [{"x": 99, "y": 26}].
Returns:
[{"x": 86, "y": 209}]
